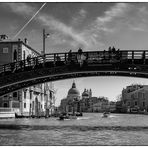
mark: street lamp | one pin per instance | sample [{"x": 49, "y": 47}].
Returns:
[{"x": 45, "y": 35}]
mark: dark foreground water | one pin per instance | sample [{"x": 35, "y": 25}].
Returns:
[{"x": 91, "y": 129}]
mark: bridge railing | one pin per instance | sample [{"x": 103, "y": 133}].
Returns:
[{"x": 76, "y": 57}]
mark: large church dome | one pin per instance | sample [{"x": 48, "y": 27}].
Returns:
[{"x": 73, "y": 90}]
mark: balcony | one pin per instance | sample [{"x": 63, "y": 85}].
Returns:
[{"x": 4, "y": 109}]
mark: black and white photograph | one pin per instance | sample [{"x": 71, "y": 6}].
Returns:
[{"x": 73, "y": 73}]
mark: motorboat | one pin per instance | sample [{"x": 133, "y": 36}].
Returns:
[
  {"x": 105, "y": 114},
  {"x": 75, "y": 114},
  {"x": 66, "y": 116},
  {"x": 79, "y": 114}
]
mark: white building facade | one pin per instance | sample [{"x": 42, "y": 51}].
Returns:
[{"x": 31, "y": 101}]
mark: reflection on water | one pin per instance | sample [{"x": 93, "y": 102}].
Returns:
[{"x": 91, "y": 129}]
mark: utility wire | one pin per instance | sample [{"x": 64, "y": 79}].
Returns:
[{"x": 29, "y": 21}]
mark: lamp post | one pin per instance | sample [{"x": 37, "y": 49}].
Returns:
[{"x": 45, "y": 35}]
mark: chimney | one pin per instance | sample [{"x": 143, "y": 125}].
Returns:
[
  {"x": 3, "y": 37},
  {"x": 26, "y": 41}
]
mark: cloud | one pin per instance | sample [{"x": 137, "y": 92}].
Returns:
[
  {"x": 139, "y": 21},
  {"x": 55, "y": 24},
  {"x": 123, "y": 16},
  {"x": 21, "y": 8},
  {"x": 79, "y": 18},
  {"x": 111, "y": 17}
]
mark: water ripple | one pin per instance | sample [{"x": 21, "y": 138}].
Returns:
[{"x": 79, "y": 128}]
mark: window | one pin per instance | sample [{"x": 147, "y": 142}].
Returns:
[
  {"x": 128, "y": 103},
  {"x": 136, "y": 103},
  {"x": 24, "y": 105},
  {"x": 5, "y": 50},
  {"x": 30, "y": 105},
  {"x": 30, "y": 95},
  {"x": 24, "y": 94},
  {"x": 15, "y": 94},
  {"x": 143, "y": 104}
]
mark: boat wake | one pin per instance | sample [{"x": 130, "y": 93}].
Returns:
[{"x": 83, "y": 118}]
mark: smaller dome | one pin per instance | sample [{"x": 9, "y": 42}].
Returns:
[{"x": 85, "y": 93}]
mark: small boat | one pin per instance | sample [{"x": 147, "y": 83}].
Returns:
[
  {"x": 105, "y": 114},
  {"x": 75, "y": 114},
  {"x": 79, "y": 114},
  {"x": 65, "y": 116},
  {"x": 19, "y": 116}
]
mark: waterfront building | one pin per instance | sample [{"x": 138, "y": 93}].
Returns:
[
  {"x": 119, "y": 108},
  {"x": 112, "y": 106},
  {"x": 135, "y": 98},
  {"x": 35, "y": 100},
  {"x": 100, "y": 104},
  {"x": 63, "y": 105}
]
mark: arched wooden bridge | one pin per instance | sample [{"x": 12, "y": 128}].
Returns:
[{"x": 57, "y": 66}]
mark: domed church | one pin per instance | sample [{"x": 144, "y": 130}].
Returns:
[
  {"x": 73, "y": 99},
  {"x": 74, "y": 102}
]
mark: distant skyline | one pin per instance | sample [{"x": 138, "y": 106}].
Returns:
[
  {"x": 91, "y": 26},
  {"x": 107, "y": 86}
]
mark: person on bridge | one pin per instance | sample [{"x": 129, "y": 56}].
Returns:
[
  {"x": 70, "y": 55},
  {"x": 80, "y": 57},
  {"x": 80, "y": 51},
  {"x": 29, "y": 60}
]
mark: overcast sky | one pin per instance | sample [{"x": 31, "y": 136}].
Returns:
[{"x": 91, "y": 26}]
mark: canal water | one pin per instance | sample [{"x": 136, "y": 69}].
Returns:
[{"x": 91, "y": 129}]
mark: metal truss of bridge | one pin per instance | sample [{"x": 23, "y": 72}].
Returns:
[{"x": 57, "y": 66}]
